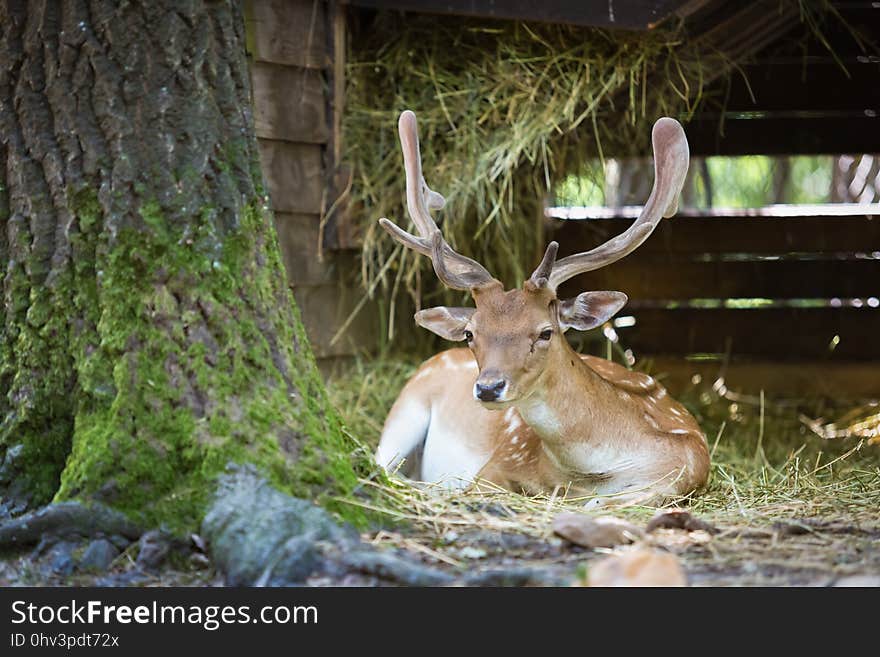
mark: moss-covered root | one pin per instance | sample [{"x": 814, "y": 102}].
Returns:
[{"x": 198, "y": 358}]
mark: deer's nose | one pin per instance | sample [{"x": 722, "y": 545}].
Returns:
[{"x": 489, "y": 390}]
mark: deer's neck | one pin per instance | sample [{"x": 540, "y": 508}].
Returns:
[{"x": 568, "y": 402}]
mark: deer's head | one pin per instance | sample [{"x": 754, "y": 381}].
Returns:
[{"x": 516, "y": 334}]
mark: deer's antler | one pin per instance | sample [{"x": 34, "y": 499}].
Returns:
[
  {"x": 671, "y": 156},
  {"x": 453, "y": 269}
]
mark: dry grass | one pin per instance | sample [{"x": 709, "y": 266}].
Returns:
[
  {"x": 770, "y": 469},
  {"x": 505, "y": 109}
]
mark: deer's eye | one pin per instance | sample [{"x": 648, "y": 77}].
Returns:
[
  {"x": 546, "y": 334},
  {"x": 468, "y": 336}
]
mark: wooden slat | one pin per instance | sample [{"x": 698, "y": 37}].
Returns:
[
  {"x": 786, "y": 135},
  {"x": 658, "y": 277},
  {"x": 776, "y": 333},
  {"x": 294, "y": 175},
  {"x": 289, "y": 103},
  {"x": 292, "y": 32},
  {"x": 720, "y": 234},
  {"x": 837, "y": 380},
  {"x": 298, "y": 241},
  {"x": 806, "y": 84},
  {"x": 325, "y": 308},
  {"x": 632, "y": 15}
]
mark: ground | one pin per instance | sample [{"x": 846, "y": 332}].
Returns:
[{"x": 784, "y": 507}]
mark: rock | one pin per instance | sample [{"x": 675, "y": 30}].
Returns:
[
  {"x": 858, "y": 581},
  {"x": 469, "y": 552},
  {"x": 59, "y": 558},
  {"x": 154, "y": 547},
  {"x": 63, "y": 519},
  {"x": 679, "y": 519},
  {"x": 590, "y": 532},
  {"x": 98, "y": 556},
  {"x": 637, "y": 568}
]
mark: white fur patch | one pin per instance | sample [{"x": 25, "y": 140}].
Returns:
[
  {"x": 424, "y": 372},
  {"x": 403, "y": 432},
  {"x": 541, "y": 418},
  {"x": 447, "y": 460}
]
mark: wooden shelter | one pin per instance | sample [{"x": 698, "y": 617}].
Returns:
[{"x": 815, "y": 271}]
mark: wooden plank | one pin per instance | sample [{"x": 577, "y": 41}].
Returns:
[
  {"x": 289, "y": 103},
  {"x": 658, "y": 277},
  {"x": 294, "y": 175},
  {"x": 632, "y": 15},
  {"x": 724, "y": 234},
  {"x": 836, "y": 380},
  {"x": 298, "y": 239},
  {"x": 775, "y": 333},
  {"x": 292, "y": 32},
  {"x": 793, "y": 84},
  {"x": 325, "y": 308},
  {"x": 786, "y": 135}
]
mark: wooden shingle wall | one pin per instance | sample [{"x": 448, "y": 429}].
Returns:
[{"x": 296, "y": 49}]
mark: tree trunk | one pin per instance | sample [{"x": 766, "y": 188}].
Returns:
[{"x": 148, "y": 334}]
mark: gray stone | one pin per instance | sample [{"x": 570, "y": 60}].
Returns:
[
  {"x": 153, "y": 549},
  {"x": 59, "y": 558},
  {"x": 98, "y": 556}
]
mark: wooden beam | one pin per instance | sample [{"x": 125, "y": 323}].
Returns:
[
  {"x": 669, "y": 277},
  {"x": 803, "y": 84},
  {"x": 852, "y": 132},
  {"x": 298, "y": 239},
  {"x": 632, "y": 15},
  {"x": 289, "y": 103},
  {"x": 291, "y": 32},
  {"x": 325, "y": 309},
  {"x": 774, "y": 333},
  {"x": 294, "y": 174},
  {"x": 726, "y": 233},
  {"x": 835, "y": 380}
]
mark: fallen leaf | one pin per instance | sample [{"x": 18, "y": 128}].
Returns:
[
  {"x": 679, "y": 519},
  {"x": 637, "y": 568},
  {"x": 590, "y": 532}
]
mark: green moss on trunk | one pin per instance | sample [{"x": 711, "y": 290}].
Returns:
[{"x": 198, "y": 358}]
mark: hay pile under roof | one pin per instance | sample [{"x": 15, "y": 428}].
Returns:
[{"x": 505, "y": 110}]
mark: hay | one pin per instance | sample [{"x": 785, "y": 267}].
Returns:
[
  {"x": 767, "y": 465},
  {"x": 505, "y": 109}
]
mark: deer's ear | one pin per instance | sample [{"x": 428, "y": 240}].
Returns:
[
  {"x": 589, "y": 309},
  {"x": 446, "y": 322}
]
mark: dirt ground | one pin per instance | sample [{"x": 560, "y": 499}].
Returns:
[{"x": 815, "y": 551}]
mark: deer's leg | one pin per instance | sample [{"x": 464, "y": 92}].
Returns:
[{"x": 405, "y": 430}]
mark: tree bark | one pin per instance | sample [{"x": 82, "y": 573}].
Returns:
[{"x": 148, "y": 334}]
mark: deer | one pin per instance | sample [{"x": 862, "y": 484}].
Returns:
[{"x": 519, "y": 408}]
